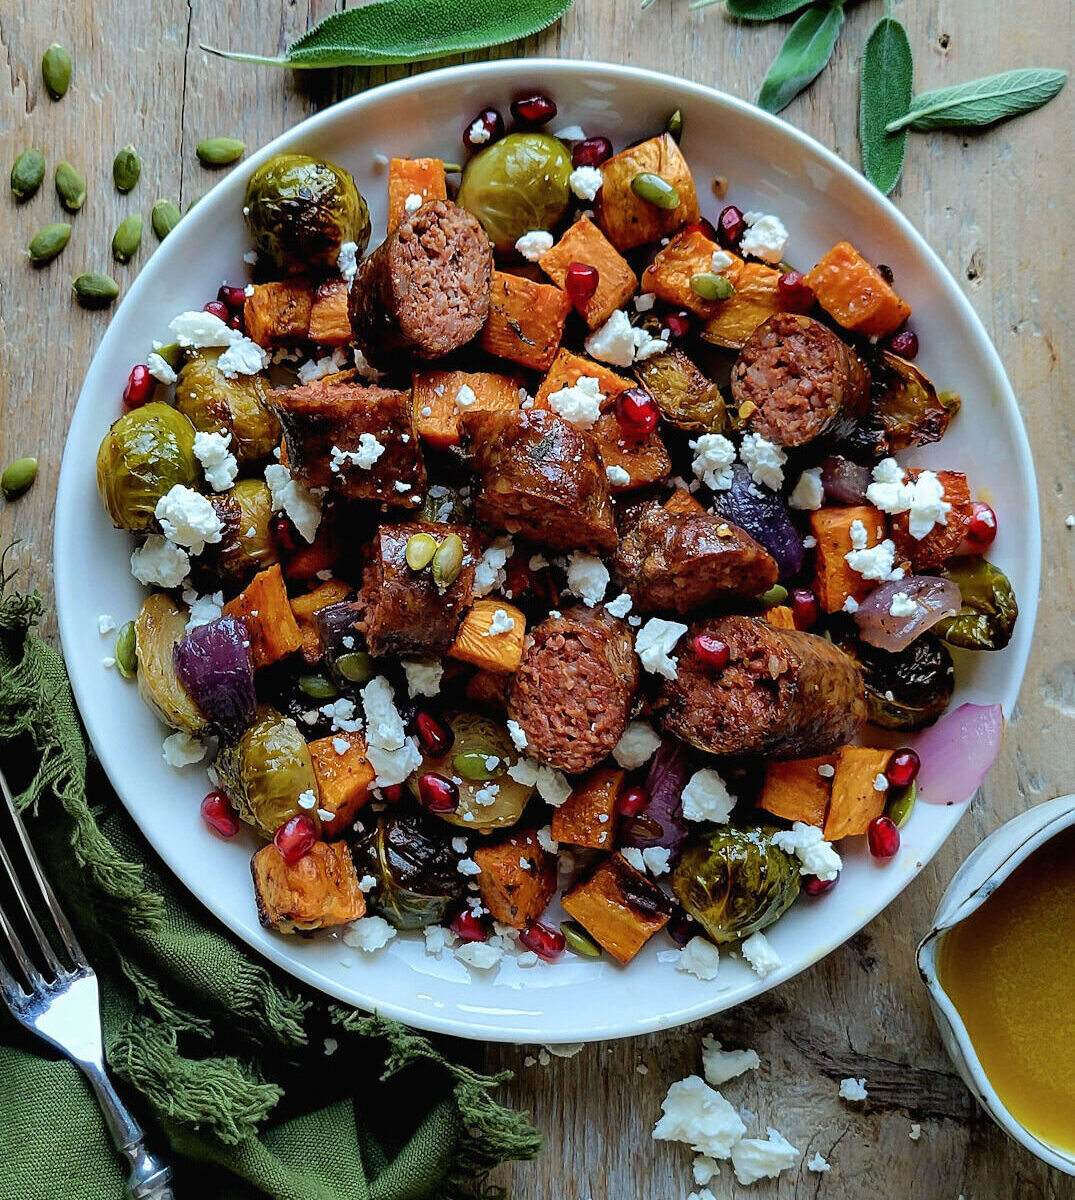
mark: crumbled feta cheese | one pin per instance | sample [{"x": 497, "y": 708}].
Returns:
[
  {"x": 765, "y": 238},
  {"x": 301, "y": 505},
  {"x": 587, "y": 577},
  {"x": 808, "y": 493},
  {"x": 851, "y": 605},
  {"x": 902, "y": 605},
  {"x": 699, "y": 957},
  {"x": 480, "y": 955},
  {"x": 438, "y": 939},
  {"x": 414, "y": 202},
  {"x": 722, "y": 260},
  {"x": 487, "y": 794},
  {"x": 501, "y": 623},
  {"x": 620, "y": 343},
  {"x": 218, "y": 463},
  {"x": 704, "y": 1169},
  {"x": 758, "y": 1158},
  {"x": 713, "y": 458},
  {"x": 242, "y": 357},
  {"x": 871, "y": 562},
  {"x": 467, "y": 866},
  {"x": 853, "y": 1089},
  {"x": 656, "y": 860},
  {"x": 465, "y": 397},
  {"x": 187, "y": 518},
  {"x": 200, "y": 330},
  {"x": 580, "y": 403},
  {"x": 105, "y": 623},
  {"x": 318, "y": 368},
  {"x": 916, "y": 1130},
  {"x": 182, "y": 750},
  {"x": 331, "y": 1045},
  {"x": 204, "y": 609},
  {"x": 826, "y": 770},
  {"x": 341, "y": 713},
  {"x": 392, "y": 754},
  {"x": 479, "y": 133},
  {"x": 307, "y": 800},
  {"x": 368, "y": 934},
  {"x": 368, "y": 452},
  {"x": 758, "y": 951},
  {"x": 654, "y": 644},
  {"x": 922, "y": 499},
  {"x": 634, "y": 856},
  {"x": 617, "y": 476},
  {"x": 694, "y": 1113},
  {"x": 763, "y": 460},
  {"x": 586, "y": 182},
  {"x": 571, "y": 133},
  {"x": 817, "y": 1163},
  {"x": 161, "y": 369},
  {"x": 546, "y": 841},
  {"x": 645, "y": 301},
  {"x": 619, "y": 607},
  {"x": 880, "y": 783},
  {"x": 159, "y": 561},
  {"x": 347, "y": 261},
  {"x": 423, "y": 676},
  {"x": 367, "y": 883},
  {"x": 534, "y": 244},
  {"x": 489, "y": 575},
  {"x": 705, "y": 798},
  {"x": 720, "y": 1065},
  {"x": 816, "y": 856},
  {"x": 365, "y": 369},
  {"x": 518, "y": 737},
  {"x": 636, "y": 746},
  {"x": 341, "y": 745},
  {"x": 251, "y": 257}
]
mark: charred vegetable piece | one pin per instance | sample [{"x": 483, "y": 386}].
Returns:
[
  {"x": 796, "y": 791},
  {"x": 909, "y": 689},
  {"x": 931, "y": 601},
  {"x": 415, "y": 869},
  {"x": 160, "y": 626},
  {"x": 240, "y": 406},
  {"x": 734, "y": 882},
  {"x": 619, "y": 907},
  {"x": 761, "y": 513},
  {"x": 904, "y": 405},
  {"x": 278, "y": 313},
  {"x": 270, "y": 623},
  {"x": 514, "y": 893},
  {"x": 988, "y": 612},
  {"x": 142, "y": 457},
  {"x": 246, "y": 543},
  {"x": 212, "y": 662},
  {"x": 317, "y": 892},
  {"x": 687, "y": 398},
  {"x": 661, "y": 822}
]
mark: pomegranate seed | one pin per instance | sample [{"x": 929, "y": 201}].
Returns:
[
  {"x": 681, "y": 928},
  {"x": 885, "y": 272},
  {"x": 904, "y": 343},
  {"x": 237, "y": 321},
  {"x": 437, "y": 793},
  {"x": 467, "y": 926},
  {"x": 219, "y": 309},
  {"x": 545, "y": 942},
  {"x": 533, "y": 110},
  {"x": 711, "y": 651},
  {"x": 903, "y": 768},
  {"x": 679, "y": 325},
  {"x": 804, "y": 608},
  {"x": 796, "y": 295},
  {"x": 140, "y": 385},
  {"x": 631, "y": 801},
  {"x": 233, "y": 296},
  {"x": 392, "y": 793},
  {"x": 580, "y": 282},
  {"x": 489, "y": 127},
  {"x": 883, "y": 837},
  {"x": 813, "y": 886},
  {"x": 284, "y": 533},
  {"x": 434, "y": 737},
  {"x": 704, "y": 227},
  {"x": 591, "y": 152},
  {"x": 731, "y": 225},
  {"x": 637, "y": 413},
  {"x": 219, "y": 814},
  {"x": 295, "y": 838},
  {"x": 982, "y": 530}
]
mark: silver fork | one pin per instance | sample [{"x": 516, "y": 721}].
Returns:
[{"x": 62, "y": 1007}]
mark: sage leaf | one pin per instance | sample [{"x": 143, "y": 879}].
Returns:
[
  {"x": 758, "y": 10},
  {"x": 806, "y": 50},
  {"x": 403, "y": 31},
  {"x": 983, "y": 101},
  {"x": 887, "y": 86}
]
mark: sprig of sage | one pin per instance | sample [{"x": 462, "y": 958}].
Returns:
[
  {"x": 802, "y": 58},
  {"x": 981, "y": 102},
  {"x": 758, "y": 10},
  {"x": 403, "y": 31},
  {"x": 886, "y": 89}
]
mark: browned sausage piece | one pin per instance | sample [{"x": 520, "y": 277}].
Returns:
[
  {"x": 573, "y": 691},
  {"x": 403, "y": 609},
  {"x": 424, "y": 291},
  {"x": 540, "y": 477},
  {"x": 680, "y": 562},
  {"x": 802, "y": 380},
  {"x": 783, "y": 693},
  {"x": 359, "y": 441}
]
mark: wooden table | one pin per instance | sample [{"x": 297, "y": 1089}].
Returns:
[{"x": 996, "y": 207}]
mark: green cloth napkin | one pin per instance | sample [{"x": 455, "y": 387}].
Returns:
[{"x": 222, "y": 1058}]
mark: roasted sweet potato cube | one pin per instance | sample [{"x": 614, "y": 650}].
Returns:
[
  {"x": 616, "y": 282},
  {"x": 619, "y": 907},
  {"x": 437, "y": 415},
  {"x": 409, "y": 177},
  {"x": 329, "y": 323},
  {"x": 517, "y": 880},
  {"x": 332, "y": 591},
  {"x": 302, "y": 561},
  {"x": 344, "y": 779},
  {"x": 855, "y": 293},
  {"x": 686, "y": 397},
  {"x": 856, "y": 799},
  {"x": 834, "y": 580},
  {"x": 626, "y": 219},
  {"x": 266, "y": 612},
  {"x": 681, "y": 503},
  {"x": 317, "y": 892},
  {"x": 688, "y": 254},
  {"x": 568, "y": 368},
  {"x": 489, "y": 689},
  {"x": 756, "y": 299},
  {"x": 943, "y": 541},
  {"x": 797, "y": 791},
  {"x": 588, "y": 816},
  {"x": 359, "y": 441},
  {"x": 278, "y": 314},
  {"x": 780, "y": 616},
  {"x": 476, "y": 643},
  {"x": 526, "y": 320}
]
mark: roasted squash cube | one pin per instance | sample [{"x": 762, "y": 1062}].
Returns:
[
  {"x": 329, "y": 323},
  {"x": 626, "y": 219},
  {"x": 332, "y": 591},
  {"x": 526, "y": 320},
  {"x": 619, "y": 907},
  {"x": 588, "y": 816},
  {"x": 616, "y": 282},
  {"x": 780, "y": 616},
  {"x": 317, "y": 892},
  {"x": 476, "y": 643},
  {"x": 943, "y": 541},
  {"x": 797, "y": 790},
  {"x": 688, "y": 254},
  {"x": 856, "y": 799},
  {"x": 408, "y": 177},
  {"x": 278, "y": 314},
  {"x": 344, "y": 779},
  {"x": 855, "y": 293},
  {"x": 834, "y": 580},
  {"x": 437, "y": 416},
  {"x": 517, "y": 880},
  {"x": 756, "y": 299},
  {"x": 266, "y": 612}
]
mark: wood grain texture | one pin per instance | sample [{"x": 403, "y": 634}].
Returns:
[{"x": 997, "y": 207}]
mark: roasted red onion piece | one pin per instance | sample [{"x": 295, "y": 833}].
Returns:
[
  {"x": 213, "y": 663},
  {"x": 763, "y": 515},
  {"x": 931, "y": 598},
  {"x": 661, "y": 822},
  {"x": 844, "y": 481},
  {"x": 335, "y": 625},
  {"x": 957, "y": 752}
]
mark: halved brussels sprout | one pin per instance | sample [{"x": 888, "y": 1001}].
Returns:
[
  {"x": 246, "y": 543},
  {"x": 987, "y": 616},
  {"x": 240, "y": 406},
  {"x": 905, "y": 408},
  {"x": 267, "y": 770},
  {"x": 301, "y": 210},
  {"x": 140, "y": 459},
  {"x": 416, "y": 871},
  {"x": 160, "y": 625},
  {"x": 686, "y": 397},
  {"x": 909, "y": 689},
  {"x": 734, "y": 881},
  {"x": 516, "y": 185}
]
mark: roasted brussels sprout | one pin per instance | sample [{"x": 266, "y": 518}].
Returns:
[
  {"x": 160, "y": 625},
  {"x": 267, "y": 770},
  {"x": 301, "y": 210},
  {"x": 686, "y": 397},
  {"x": 987, "y": 616},
  {"x": 216, "y": 404},
  {"x": 905, "y": 409},
  {"x": 906, "y": 690},
  {"x": 734, "y": 881},
  {"x": 416, "y": 871},
  {"x": 142, "y": 457},
  {"x": 517, "y": 184},
  {"x": 246, "y": 543}
]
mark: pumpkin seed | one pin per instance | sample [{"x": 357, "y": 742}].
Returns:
[
  {"x": 27, "y": 173},
  {"x": 420, "y": 550},
  {"x": 448, "y": 561},
  {"x": 126, "y": 652},
  {"x": 674, "y": 125},
  {"x": 127, "y": 238},
  {"x": 70, "y": 187},
  {"x": 220, "y": 151},
  {"x": 901, "y": 804},
  {"x": 164, "y": 218},
  {"x": 18, "y": 476},
  {"x": 655, "y": 190},
  {"x": 318, "y": 687},
  {"x": 471, "y": 764},
  {"x": 126, "y": 168},
  {"x": 94, "y": 290},
  {"x": 356, "y": 667},
  {"x": 712, "y": 286},
  {"x": 777, "y": 594},
  {"x": 47, "y": 244},
  {"x": 56, "y": 70},
  {"x": 579, "y": 940}
]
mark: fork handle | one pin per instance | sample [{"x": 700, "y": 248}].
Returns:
[{"x": 150, "y": 1177}]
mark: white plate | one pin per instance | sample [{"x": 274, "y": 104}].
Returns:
[{"x": 771, "y": 167}]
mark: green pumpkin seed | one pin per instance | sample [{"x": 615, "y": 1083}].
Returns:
[
  {"x": 579, "y": 941},
  {"x": 655, "y": 190},
  {"x": 220, "y": 151},
  {"x": 452, "y": 168},
  {"x": 777, "y": 594},
  {"x": 18, "y": 476},
  {"x": 127, "y": 238},
  {"x": 420, "y": 550},
  {"x": 56, "y": 70},
  {"x": 172, "y": 354},
  {"x": 712, "y": 286},
  {"x": 94, "y": 290},
  {"x": 126, "y": 652},
  {"x": 674, "y": 125},
  {"x": 126, "y": 168},
  {"x": 317, "y": 687},
  {"x": 70, "y": 187},
  {"x": 448, "y": 561},
  {"x": 901, "y": 804},
  {"x": 27, "y": 173},
  {"x": 471, "y": 764},
  {"x": 356, "y": 667},
  {"x": 164, "y": 218},
  {"x": 47, "y": 244}
]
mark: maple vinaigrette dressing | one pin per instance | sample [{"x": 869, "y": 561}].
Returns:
[{"x": 1009, "y": 969}]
